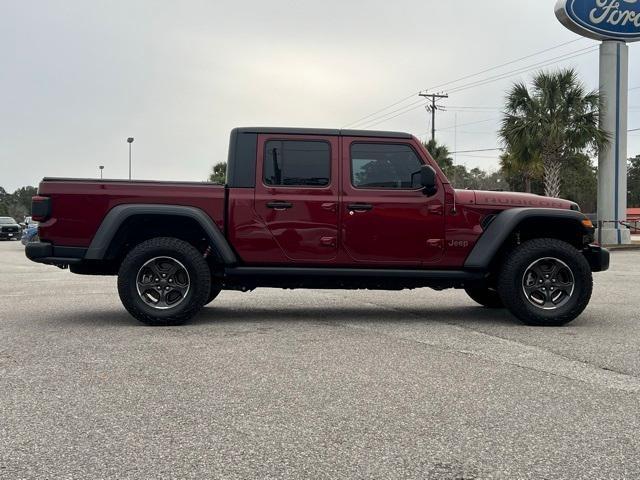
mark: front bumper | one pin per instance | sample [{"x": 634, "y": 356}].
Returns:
[
  {"x": 10, "y": 235},
  {"x": 598, "y": 258}
]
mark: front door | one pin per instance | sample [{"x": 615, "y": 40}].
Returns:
[
  {"x": 296, "y": 195},
  {"x": 386, "y": 217}
]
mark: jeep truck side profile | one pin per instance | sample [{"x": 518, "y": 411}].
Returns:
[{"x": 326, "y": 209}]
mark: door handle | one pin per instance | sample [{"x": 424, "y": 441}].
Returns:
[
  {"x": 280, "y": 205},
  {"x": 360, "y": 207},
  {"x": 330, "y": 207},
  {"x": 328, "y": 241}
]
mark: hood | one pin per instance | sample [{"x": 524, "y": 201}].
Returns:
[{"x": 512, "y": 200}]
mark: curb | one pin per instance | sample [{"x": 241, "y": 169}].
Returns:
[{"x": 614, "y": 248}]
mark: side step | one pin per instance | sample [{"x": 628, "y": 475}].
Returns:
[{"x": 347, "y": 278}]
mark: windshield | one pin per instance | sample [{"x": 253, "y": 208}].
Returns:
[{"x": 7, "y": 221}]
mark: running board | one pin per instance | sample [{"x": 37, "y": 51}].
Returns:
[
  {"x": 353, "y": 272},
  {"x": 287, "y": 277}
]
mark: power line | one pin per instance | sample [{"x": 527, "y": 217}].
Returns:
[
  {"x": 449, "y": 107},
  {"x": 485, "y": 157},
  {"x": 471, "y": 123},
  {"x": 380, "y": 120},
  {"x": 466, "y": 77},
  {"x": 382, "y": 109},
  {"x": 506, "y": 64},
  {"x": 480, "y": 150},
  {"x": 634, "y": 130},
  {"x": 407, "y": 108},
  {"x": 546, "y": 63}
]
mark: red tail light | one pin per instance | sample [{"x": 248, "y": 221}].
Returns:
[{"x": 40, "y": 208}]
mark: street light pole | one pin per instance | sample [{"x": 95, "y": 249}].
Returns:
[
  {"x": 101, "y": 167},
  {"x": 130, "y": 141}
]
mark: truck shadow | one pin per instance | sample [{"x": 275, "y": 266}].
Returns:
[
  {"x": 364, "y": 314},
  {"x": 228, "y": 315}
]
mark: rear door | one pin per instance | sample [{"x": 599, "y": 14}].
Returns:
[
  {"x": 386, "y": 217},
  {"x": 296, "y": 194}
]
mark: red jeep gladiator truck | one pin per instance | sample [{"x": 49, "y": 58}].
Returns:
[{"x": 327, "y": 209}]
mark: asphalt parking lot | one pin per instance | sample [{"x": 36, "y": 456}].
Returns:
[{"x": 318, "y": 385}]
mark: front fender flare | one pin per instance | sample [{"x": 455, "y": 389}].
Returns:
[
  {"x": 119, "y": 214},
  {"x": 504, "y": 224}
]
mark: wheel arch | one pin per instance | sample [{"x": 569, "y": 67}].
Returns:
[
  {"x": 522, "y": 224},
  {"x": 118, "y": 229}
]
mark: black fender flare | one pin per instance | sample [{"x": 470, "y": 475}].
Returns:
[
  {"x": 119, "y": 214},
  {"x": 505, "y": 223}
]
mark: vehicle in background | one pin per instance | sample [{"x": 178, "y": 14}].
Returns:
[
  {"x": 30, "y": 233},
  {"x": 9, "y": 229},
  {"x": 311, "y": 208}
]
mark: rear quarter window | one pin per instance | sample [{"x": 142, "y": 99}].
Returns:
[{"x": 297, "y": 163}]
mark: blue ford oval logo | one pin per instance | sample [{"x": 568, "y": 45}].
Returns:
[{"x": 602, "y": 19}]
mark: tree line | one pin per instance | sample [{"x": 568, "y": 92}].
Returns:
[{"x": 17, "y": 204}]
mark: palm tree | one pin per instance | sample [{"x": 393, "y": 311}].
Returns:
[
  {"x": 524, "y": 165},
  {"x": 441, "y": 155},
  {"x": 218, "y": 173},
  {"x": 554, "y": 120}
]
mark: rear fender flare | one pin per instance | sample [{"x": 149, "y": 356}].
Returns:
[
  {"x": 118, "y": 215},
  {"x": 505, "y": 224}
]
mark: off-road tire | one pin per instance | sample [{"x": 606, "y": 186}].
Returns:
[
  {"x": 199, "y": 281},
  {"x": 510, "y": 282},
  {"x": 485, "y": 296}
]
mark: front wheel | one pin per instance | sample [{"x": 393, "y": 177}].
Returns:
[
  {"x": 164, "y": 281},
  {"x": 545, "y": 282}
]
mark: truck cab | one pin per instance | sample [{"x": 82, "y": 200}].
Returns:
[
  {"x": 336, "y": 198},
  {"x": 319, "y": 208}
]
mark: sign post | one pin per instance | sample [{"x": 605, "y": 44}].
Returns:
[{"x": 614, "y": 22}]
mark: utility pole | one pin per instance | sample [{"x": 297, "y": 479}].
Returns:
[{"x": 433, "y": 107}]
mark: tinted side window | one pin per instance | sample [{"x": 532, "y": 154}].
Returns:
[
  {"x": 294, "y": 163},
  {"x": 377, "y": 165}
]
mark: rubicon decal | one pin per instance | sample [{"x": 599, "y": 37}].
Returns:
[{"x": 602, "y": 19}]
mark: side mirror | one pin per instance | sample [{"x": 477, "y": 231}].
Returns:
[{"x": 429, "y": 180}]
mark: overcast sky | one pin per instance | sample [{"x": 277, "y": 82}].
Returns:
[{"x": 78, "y": 77}]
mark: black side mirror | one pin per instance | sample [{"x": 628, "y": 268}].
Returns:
[{"x": 428, "y": 179}]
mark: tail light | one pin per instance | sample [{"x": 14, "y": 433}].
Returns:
[{"x": 40, "y": 208}]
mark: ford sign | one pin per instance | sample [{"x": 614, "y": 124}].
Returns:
[{"x": 601, "y": 19}]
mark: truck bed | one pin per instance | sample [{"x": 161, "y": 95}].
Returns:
[{"x": 78, "y": 206}]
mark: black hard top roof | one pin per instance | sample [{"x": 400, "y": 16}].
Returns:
[{"x": 323, "y": 131}]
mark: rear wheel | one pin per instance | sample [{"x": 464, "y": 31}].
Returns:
[
  {"x": 546, "y": 282},
  {"x": 164, "y": 281},
  {"x": 485, "y": 296}
]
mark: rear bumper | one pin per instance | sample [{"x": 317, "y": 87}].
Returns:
[
  {"x": 43, "y": 252},
  {"x": 597, "y": 257}
]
